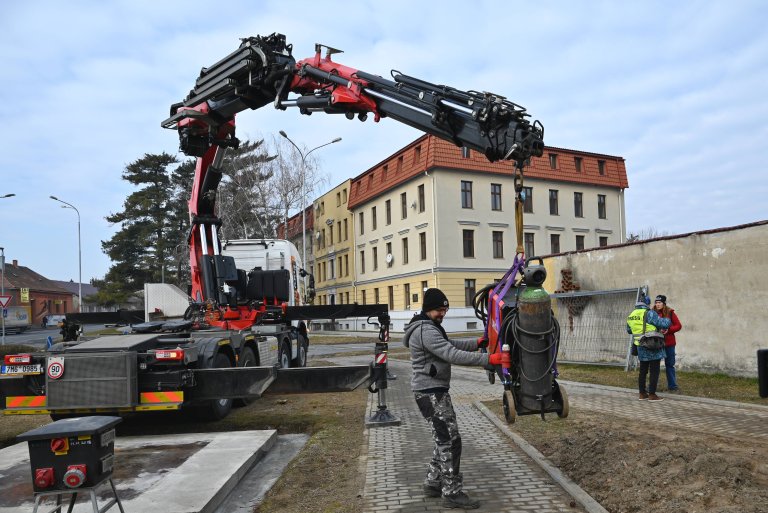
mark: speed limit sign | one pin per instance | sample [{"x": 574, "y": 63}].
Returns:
[{"x": 55, "y": 368}]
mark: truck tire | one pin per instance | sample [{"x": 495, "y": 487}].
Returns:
[
  {"x": 284, "y": 354},
  {"x": 215, "y": 409},
  {"x": 247, "y": 359},
  {"x": 301, "y": 351}
]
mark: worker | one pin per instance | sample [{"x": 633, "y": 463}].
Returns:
[
  {"x": 432, "y": 354},
  {"x": 640, "y": 321}
]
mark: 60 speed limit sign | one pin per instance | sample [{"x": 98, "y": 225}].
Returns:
[{"x": 55, "y": 367}]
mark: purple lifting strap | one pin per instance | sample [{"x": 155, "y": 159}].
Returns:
[{"x": 502, "y": 288}]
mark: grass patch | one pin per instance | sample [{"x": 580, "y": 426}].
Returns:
[{"x": 697, "y": 384}]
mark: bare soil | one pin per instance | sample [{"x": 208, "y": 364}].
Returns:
[{"x": 634, "y": 468}]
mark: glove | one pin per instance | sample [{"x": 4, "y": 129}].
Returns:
[
  {"x": 482, "y": 343},
  {"x": 495, "y": 359}
]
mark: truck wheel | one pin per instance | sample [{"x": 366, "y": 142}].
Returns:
[
  {"x": 284, "y": 354},
  {"x": 301, "y": 356},
  {"x": 247, "y": 359},
  {"x": 215, "y": 409}
]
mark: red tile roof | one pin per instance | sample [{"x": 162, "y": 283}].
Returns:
[
  {"x": 294, "y": 224},
  {"x": 429, "y": 152}
]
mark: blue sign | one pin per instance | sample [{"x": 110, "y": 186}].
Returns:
[{"x": 5, "y": 313}]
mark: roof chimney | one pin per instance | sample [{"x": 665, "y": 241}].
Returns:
[{"x": 15, "y": 263}]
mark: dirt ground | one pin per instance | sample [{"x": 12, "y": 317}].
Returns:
[{"x": 631, "y": 468}]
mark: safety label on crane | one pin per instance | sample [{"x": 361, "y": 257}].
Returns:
[
  {"x": 55, "y": 367},
  {"x": 381, "y": 358}
]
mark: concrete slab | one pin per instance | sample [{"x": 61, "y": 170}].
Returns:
[{"x": 186, "y": 473}]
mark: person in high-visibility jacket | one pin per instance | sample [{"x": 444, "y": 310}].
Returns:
[{"x": 649, "y": 359}]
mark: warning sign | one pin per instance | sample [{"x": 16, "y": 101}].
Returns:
[
  {"x": 4, "y": 300},
  {"x": 55, "y": 368}
]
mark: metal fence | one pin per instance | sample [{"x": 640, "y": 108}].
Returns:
[{"x": 593, "y": 325}]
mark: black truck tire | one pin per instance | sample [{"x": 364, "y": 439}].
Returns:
[
  {"x": 284, "y": 354},
  {"x": 247, "y": 359},
  {"x": 215, "y": 409},
  {"x": 301, "y": 351}
]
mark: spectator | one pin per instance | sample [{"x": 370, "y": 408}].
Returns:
[
  {"x": 432, "y": 354},
  {"x": 44, "y": 324},
  {"x": 640, "y": 321},
  {"x": 661, "y": 308}
]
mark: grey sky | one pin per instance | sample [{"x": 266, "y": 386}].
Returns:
[{"x": 676, "y": 88}]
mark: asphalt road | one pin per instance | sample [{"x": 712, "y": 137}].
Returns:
[{"x": 37, "y": 336}]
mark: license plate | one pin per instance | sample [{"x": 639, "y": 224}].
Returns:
[{"x": 21, "y": 369}]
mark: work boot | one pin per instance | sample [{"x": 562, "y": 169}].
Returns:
[
  {"x": 643, "y": 396},
  {"x": 654, "y": 397},
  {"x": 432, "y": 491},
  {"x": 460, "y": 500}
]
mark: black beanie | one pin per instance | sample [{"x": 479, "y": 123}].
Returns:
[
  {"x": 662, "y": 298},
  {"x": 434, "y": 299}
]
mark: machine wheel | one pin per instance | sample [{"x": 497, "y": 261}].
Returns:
[
  {"x": 508, "y": 403},
  {"x": 215, "y": 409},
  {"x": 301, "y": 352},
  {"x": 247, "y": 359},
  {"x": 563, "y": 413},
  {"x": 284, "y": 354}
]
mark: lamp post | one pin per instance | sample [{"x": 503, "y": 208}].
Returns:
[
  {"x": 79, "y": 254},
  {"x": 2, "y": 274},
  {"x": 303, "y": 192}
]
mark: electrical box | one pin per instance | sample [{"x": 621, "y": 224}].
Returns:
[{"x": 71, "y": 453}]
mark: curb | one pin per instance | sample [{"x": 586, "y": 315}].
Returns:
[
  {"x": 574, "y": 490},
  {"x": 676, "y": 397}
]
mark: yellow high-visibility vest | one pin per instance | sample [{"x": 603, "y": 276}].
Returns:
[{"x": 635, "y": 322}]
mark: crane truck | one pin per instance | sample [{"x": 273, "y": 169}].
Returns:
[{"x": 222, "y": 350}]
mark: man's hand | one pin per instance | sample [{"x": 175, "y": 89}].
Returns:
[
  {"x": 495, "y": 359},
  {"x": 482, "y": 343}
]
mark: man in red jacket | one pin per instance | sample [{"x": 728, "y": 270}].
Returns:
[{"x": 660, "y": 305}]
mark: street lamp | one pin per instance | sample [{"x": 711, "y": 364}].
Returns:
[
  {"x": 303, "y": 192},
  {"x": 79, "y": 254}
]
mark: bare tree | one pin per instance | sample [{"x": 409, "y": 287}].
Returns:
[{"x": 645, "y": 234}]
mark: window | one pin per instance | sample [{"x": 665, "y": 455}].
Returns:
[
  {"x": 578, "y": 205},
  {"x": 373, "y": 218},
  {"x": 601, "y": 206},
  {"x": 603, "y": 241},
  {"x": 424, "y": 287},
  {"x": 601, "y": 167},
  {"x": 338, "y": 229},
  {"x": 362, "y": 262},
  {"x": 495, "y": 196},
  {"x": 465, "y": 152},
  {"x": 388, "y": 211},
  {"x": 528, "y": 200},
  {"x": 391, "y": 297},
  {"x": 466, "y": 194},
  {"x": 330, "y": 235},
  {"x": 554, "y": 242},
  {"x": 376, "y": 296},
  {"x": 363, "y": 293},
  {"x": 325, "y": 271},
  {"x": 417, "y": 154},
  {"x": 331, "y": 264},
  {"x": 468, "y": 237},
  {"x": 384, "y": 172},
  {"x": 579, "y": 242},
  {"x": 375, "y": 259},
  {"x": 389, "y": 252},
  {"x": 403, "y": 206},
  {"x": 423, "y": 245},
  {"x": 553, "y": 160},
  {"x": 362, "y": 223},
  {"x": 405, "y": 250},
  {"x": 322, "y": 237},
  {"x": 422, "y": 205},
  {"x": 469, "y": 292},
  {"x": 407, "y": 294},
  {"x": 399, "y": 164},
  {"x": 346, "y": 232},
  {"x": 529, "y": 248},
  {"x": 346, "y": 267},
  {"x": 577, "y": 163},
  {"x": 338, "y": 199},
  {"x": 553, "y": 207},
  {"x": 498, "y": 244},
  {"x": 344, "y": 200},
  {"x": 341, "y": 268},
  {"x": 370, "y": 181}
]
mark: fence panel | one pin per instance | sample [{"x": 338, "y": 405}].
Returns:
[{"x": 593, "y": 325}]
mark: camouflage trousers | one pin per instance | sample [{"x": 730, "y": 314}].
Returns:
[{"x": 443, "y": 469}]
